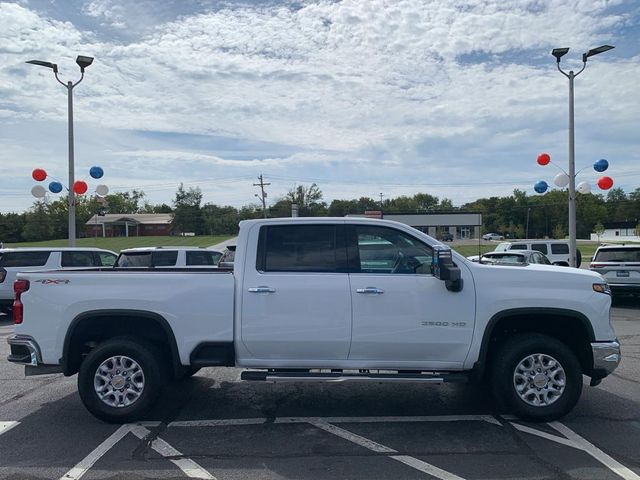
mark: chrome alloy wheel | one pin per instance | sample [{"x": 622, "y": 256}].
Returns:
[
  {"x": 539, "y": 379},
  {"x": 119, "y": 381}
]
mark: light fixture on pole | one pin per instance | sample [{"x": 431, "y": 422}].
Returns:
[
  {"x": 559, "y": 53},
  {"x": 83, "y": 62}
]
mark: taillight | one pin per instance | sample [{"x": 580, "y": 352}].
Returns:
[{"x": 19, "y": 287}]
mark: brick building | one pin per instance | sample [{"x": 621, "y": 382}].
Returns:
[{"x": 129, "y": 225}]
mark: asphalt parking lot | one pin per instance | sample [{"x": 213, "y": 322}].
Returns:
[{"x": 215, "y": 426}]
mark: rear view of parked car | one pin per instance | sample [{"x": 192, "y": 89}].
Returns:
[
  {"x": 14, "y": 260},
  {"x": 620, "y": 266}
]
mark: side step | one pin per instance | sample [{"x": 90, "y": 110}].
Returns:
[{"x": 284, "y": 376}]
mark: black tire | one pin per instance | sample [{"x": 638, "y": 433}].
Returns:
[
  {"x": 149, "y": 360},
  {"x": 511, "y": 354},
  {"x": 578, "y": 258}
]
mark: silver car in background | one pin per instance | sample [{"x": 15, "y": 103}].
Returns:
[{"x": 620, "y": 266}]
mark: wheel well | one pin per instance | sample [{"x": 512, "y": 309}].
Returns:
[
  {"x": 570, "y": 330},
  {"x": 91, "y": 329}
]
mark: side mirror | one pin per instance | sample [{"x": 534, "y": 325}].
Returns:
[{"x": 444, "y": 268}]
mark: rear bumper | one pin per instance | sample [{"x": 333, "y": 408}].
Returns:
[
  {"x": 606, "y": 358},
  {"x": 24, "y": 350}
]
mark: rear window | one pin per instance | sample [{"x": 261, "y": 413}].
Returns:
[
  {"x": 539, "y": 247},
  {"x": 78, "y": 259},
  {"x": 24, "y": 259},
  {"x": 299, "y": 248},
  {"x": 203, "y": 258},
  {"x": 618, "y": 255},
  {"x": 559, "y": 248},
  {"x": 147, "y": 259}
]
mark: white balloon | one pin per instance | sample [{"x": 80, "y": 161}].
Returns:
[
  {"x": 102, "y": 190},
  {"x": 561, "y": 180},
  {"x": 38, "y": 191},
  {"x": 584, "y": 187}
]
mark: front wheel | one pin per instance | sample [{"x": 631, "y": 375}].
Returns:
[
  {"x": 536, "y": 377},
  {"x": 120, "y": 380}
]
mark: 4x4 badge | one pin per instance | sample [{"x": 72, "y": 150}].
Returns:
[{"x": 49, "y": 281}]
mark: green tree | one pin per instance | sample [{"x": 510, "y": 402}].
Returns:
[
  {"x": 38, "y": 223},
  {"x": 187, "y": 213},
  {"x": 308, "y": 199},
  {"x": 598, "y": 230},
  {"x": 11, "y": 227}
]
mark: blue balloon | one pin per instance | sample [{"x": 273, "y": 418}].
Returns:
[
  {"x": 601, "y": 165},
  {"x": 55, "y": 187},
  {"x": 96, "y": 172},
  {"x": 541, "y": 186}
]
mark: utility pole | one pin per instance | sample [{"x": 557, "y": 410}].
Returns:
[
  {"x": 381, "y": 200},
  {"x": 262, "y": 195}
]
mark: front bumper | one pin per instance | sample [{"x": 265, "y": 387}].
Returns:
[
  {"x": 24, "y": 350},
  {"x": 606, "y": 358}
]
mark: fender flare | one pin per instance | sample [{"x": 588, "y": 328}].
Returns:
[
  {"x": 479, "y": 366},
  {"x": 159, "y": 319}
]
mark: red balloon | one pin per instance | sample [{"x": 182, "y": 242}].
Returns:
[
  {"x": 80, "y": 187},
  {"x": 605, "y": 183},
  {"x": 39, "y": 174},
  {"x": 544, "y": 159}
]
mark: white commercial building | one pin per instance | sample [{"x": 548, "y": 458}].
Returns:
[{"x": 460, "y": 225}]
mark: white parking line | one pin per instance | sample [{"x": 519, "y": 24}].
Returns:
[
  {"x": 613, "y": 465},
  {"x": 379, "y": 448},
  {"x": 87, "y": 462},
  {"x": 574, "y": 440},
  {"x": 258, "y": 421},
  {"x": 353, "y": 438},
  {"x": 188, "y": 466},
  {"x": 6, "y": 426}
]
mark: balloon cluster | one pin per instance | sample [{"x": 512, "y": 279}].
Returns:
[
  {"x": 79, "y": 187},
  {"x": 561, "y": 180}
]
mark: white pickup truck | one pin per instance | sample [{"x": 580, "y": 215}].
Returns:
[{"x": 322, "y": 300}]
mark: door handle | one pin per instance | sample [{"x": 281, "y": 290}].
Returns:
[
  {"x": 262, "y": 289},
  {"x": 370, "y": 291}
]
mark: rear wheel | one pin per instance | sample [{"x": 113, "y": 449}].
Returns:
[
  {"x": 120, "y": 380},
  {"x": 536, "y": 377}
]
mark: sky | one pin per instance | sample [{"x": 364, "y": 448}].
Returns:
[{"x": 455, "y": 98}]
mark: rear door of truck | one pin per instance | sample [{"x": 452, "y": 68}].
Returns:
[{"x": 295, "y": 293}]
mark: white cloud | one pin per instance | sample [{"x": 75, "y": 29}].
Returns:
[{"x": 353, "y": 91}]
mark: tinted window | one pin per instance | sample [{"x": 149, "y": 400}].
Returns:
[
  {"x": 77, "y": 259},
  {"x": 386, "y": 250},
  {"x": 203, "y": 258},
  {"x": 540, "y": 247},
  {"x": 106, "y": 259},
  {"x": 24, "y": 259},
  {"x": 560, "y": 248},
  {"x": 298, "y": 248},
  {"x": 165, "y": 259},
  {"x": 518, "y": 246},
  {"x": 618, "y": 255},
  {"x": 137, "y": 259}
]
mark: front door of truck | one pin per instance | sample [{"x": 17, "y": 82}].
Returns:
[
  {"x": 296, "y": 303},
  {"x": 402, "y": 314}
]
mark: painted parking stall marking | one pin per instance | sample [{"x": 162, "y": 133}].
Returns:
[
  {"x": 573, "y": 440},
  {"x": 190, "y": 468},
  {"x": 6, "y": 426}
]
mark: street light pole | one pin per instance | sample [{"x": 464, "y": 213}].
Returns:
[
  {"x": 83, "y": 62},
  {"x": 72, "y": 195},
  {"x": 559, "y": 53}
]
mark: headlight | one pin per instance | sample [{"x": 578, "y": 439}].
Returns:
[{"x": 602, "y": 288}]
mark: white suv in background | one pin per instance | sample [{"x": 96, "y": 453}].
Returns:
[
  {"x": 177, "y": 257},
  {"x": 14, "y": 260},
  {"x": 557, "y": 251},
  {"x": 620, "y": 266}
]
